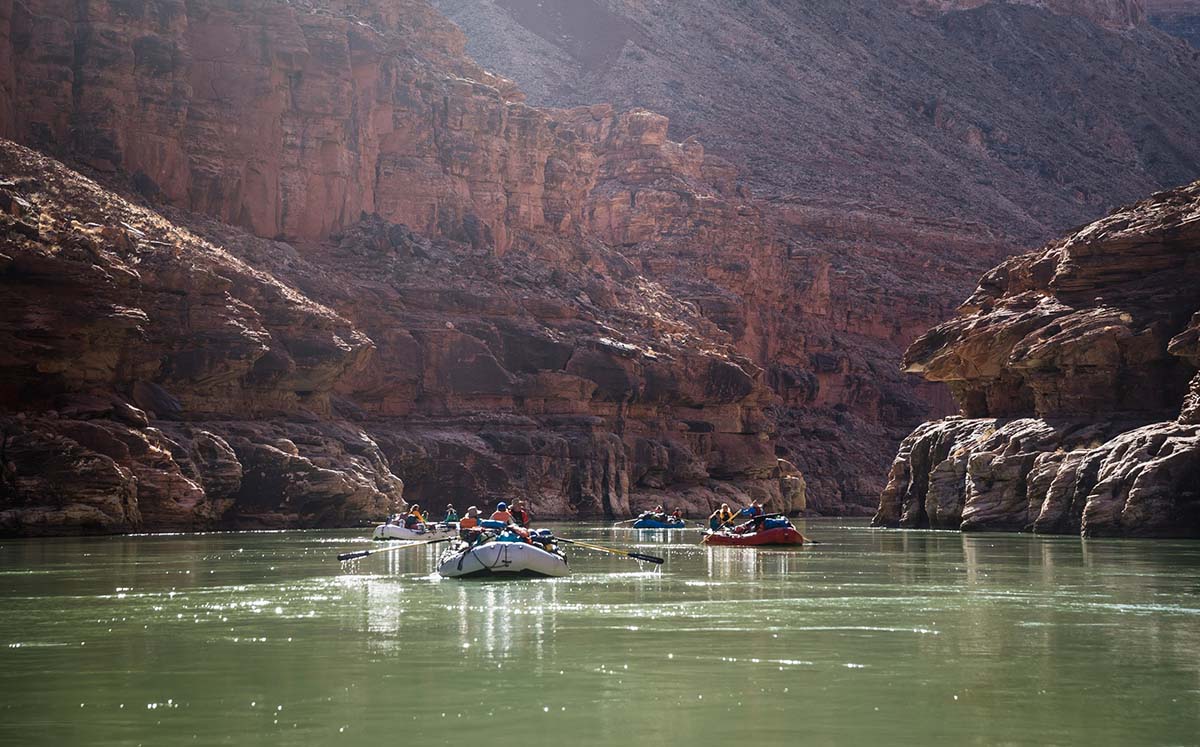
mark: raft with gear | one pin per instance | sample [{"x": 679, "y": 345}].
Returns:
[
  {"x": 773, "y": 531},
  {"x": 507, "y": 552},
  {"x": 391, "y": 531},
  {"x": 650, "y": 522}
]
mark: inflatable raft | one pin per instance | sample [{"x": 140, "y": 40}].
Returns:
[
  {"x": 425, "y": 532},
  {"x": 501, "y": 558},
  {"x": 646, "y": 522},
  {"x": 782, "y": 535}
]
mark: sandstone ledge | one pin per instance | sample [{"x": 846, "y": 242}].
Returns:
[{"x": 1077, "y": 369}]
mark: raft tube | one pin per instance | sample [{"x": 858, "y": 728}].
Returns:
[
  {"x": 501, "y": 559},
  {"x": 778, "y": 536},
  {"x": 424, "y": 532},
  {"x": 647, "y": 523}
]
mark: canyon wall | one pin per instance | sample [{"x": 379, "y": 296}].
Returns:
[
  {"x": 310, "y": 252},
  {"x": 898, "y": 154},
  {"x": 360, "y": 259},
  {"x": 1075, "y": 368}
]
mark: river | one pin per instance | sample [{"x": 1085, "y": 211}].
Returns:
[{"x": 871, "y": 637}]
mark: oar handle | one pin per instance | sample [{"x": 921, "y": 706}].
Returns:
[
  {"x": 364, "y": 553},
  {"x": 637, "y": 555}
]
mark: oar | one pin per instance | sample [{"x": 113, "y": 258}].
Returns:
[
  {"x": 626, "y": 553},
  {"x": 626, "y": 521},
  {"x": 365, "y": 553}
]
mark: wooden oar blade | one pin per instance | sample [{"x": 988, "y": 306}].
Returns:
[{"x": 353, "y": 555}]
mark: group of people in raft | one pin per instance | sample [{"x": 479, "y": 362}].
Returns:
[
  {"x": 507, "y": 524},
  {"x": 518, "y": 515},
  {"x": 724, "y": 516}
]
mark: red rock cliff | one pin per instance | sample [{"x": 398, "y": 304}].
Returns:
[
  {"x": 370, "y": 260},
  {"x": 1075, "y": 368}
]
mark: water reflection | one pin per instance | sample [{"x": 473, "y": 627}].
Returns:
[{"x": 959, "y": 638}]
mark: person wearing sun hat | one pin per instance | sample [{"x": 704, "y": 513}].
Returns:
[{"x": 471, "y": 520}]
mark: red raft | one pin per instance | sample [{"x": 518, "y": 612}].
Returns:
[{"x": 777, "y": 536}]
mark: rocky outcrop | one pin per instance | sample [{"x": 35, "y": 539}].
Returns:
[
  {"x": 1067, "y": 363},
  {"x": 123, "y": 336}
]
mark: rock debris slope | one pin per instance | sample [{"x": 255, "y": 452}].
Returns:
[{"x": 1076, "y": 371}]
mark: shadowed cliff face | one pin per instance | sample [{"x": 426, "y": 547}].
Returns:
[{"x": 1067, "y": 364}]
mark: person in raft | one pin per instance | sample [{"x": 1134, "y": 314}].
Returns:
[
  {"x": 502, "y": 514},
  {"x": 720, "y": 517},
  {"x": 754, "y": 510},
  {"x": 520, "y": 514},
  {"x": 471, "y": 520},
  {"x": 757, "y": 516},
  {"x": 677, "y": 514},
  {"x": 414, "y": 517},
  {"x": 451, "y": 514}
]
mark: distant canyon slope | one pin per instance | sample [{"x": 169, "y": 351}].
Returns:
[{"x": 308, "y": 261}]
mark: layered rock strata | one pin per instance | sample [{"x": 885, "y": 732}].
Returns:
[
  {"x": 1076, "y": 372},
  {"x": 159, "y": 376},
  {"x": 491, "y": 338}
]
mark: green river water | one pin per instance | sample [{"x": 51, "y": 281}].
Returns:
[{"x": 872, "y": 637}]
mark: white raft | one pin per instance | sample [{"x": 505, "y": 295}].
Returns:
[
  {"x": 501, "y": 558},
  {"x": 426, "y": 532}
]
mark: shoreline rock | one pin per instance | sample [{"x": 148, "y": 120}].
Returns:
[{"x": 1068, "y": 364}]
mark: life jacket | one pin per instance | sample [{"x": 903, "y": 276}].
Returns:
[
  {"x": 719, "y": 518},
  {"x": 504, "y": 516},
  {"x": 468, "y": 522},
  {"x": 520, "y": 516},
  {"x": 451, "y": 516},
  {"x": 411, "y": 520}
]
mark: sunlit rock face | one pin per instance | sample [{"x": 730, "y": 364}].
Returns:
[{"x": 1075, "y": 370}]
